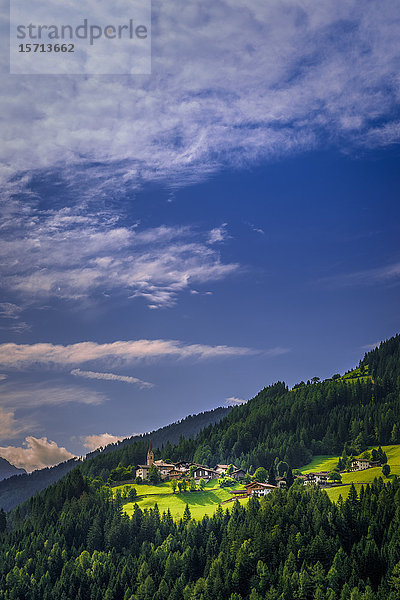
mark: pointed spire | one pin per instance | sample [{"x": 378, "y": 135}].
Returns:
[{"x": 150, "y": 454}]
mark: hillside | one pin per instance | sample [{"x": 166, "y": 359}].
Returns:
[
  {"x": 200, "y": 503},
  {"x": 19, "y": 488},
  {"x": 358, "y": 478},
  {"x": 315, "y": 418},
  {"x": 8, "y": 470},
  {"x": 74, "y": 540}
]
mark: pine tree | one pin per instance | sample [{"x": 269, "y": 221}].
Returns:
[
  {"x": 186, "y": 514},
  {"x": 271, "y": 475}
]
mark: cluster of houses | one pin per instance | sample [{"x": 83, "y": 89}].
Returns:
[
  {"x": 321, "y": 479},
  {"x": 181, "y": 470}
]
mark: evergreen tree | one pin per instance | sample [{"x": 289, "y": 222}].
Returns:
[
  {"x": 186, "y": 514},
  {"x": 271, "y": 475}
]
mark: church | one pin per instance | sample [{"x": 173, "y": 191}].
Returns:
[{"x": 144, "y": 470}]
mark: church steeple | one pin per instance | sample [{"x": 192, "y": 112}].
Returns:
[{"x": 150, "y": 455}]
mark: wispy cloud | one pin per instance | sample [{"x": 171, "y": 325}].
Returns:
[
  {"x": 10, "y": 314},
  {"x": 256, "y": 229},
  {"x": 43, "y": 258},
  {"x": 218, "y": 234},
  {"x": 32, "y": 395},
  {"x": 36, "y": 453},
  {"x": 24, "y": 355},
  {"x": 92, "y": 442},
  {"x": 277, "y": 351},
  {"x": 9, "y": 428},
  {"x": 8, "y": 310},
  {"x": 111, "y": 377},
  {"x": 367, "y": 277},
  {"x": 233, "y": 401},
  {"x": 368, "y": 347}
]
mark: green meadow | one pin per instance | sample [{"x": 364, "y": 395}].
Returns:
[
  {"x": 327, "y": 463},
  {"x": 319, "y": 463},
  {"x": 200, "y": 503}
]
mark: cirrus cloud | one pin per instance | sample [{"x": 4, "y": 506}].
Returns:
[
  {"x": 23, "y": 355},
  {"x": 33, "y": 395},
  {"x": 111, "y": 377},
  {"x": 43, "y": 257}
]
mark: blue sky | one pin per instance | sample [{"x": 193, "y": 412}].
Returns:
[{"x": 176, "y": 242}]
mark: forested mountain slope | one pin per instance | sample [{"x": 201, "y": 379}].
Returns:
[
  {"x": 314, "y": 418},
  {"x": 320, "y": 417},
  {"x": 74, "y": 541},
  {"x": 18, "y": 488},
  {"x": 8, "y": 470}
]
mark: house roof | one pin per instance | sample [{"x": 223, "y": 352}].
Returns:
[
  {"x": 256, "y": 485},
  {"x": 205, "y": 469},
  {"x": 161, "y": 464}
]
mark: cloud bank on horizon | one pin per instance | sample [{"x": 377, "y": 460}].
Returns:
[
  {"x": 36, "y": 453},
  {"x": 259, "y": 80}
]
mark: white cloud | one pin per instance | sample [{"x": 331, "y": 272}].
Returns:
[
  {"x": 111, "y": 377},
  {"x": 32, "y": 395},
  {"x": 101, "y": 440},
  {"x": 43, "y": 258},
  {"x": 24, "y": 355},
  {"x": 37, "y": 453},
  {"x": 231, "y": 83},
  {"x": 232, "y": 401},
  {"x": 218, "y": 234},
  {"x": 3, "y": 376},
  {"x": 8, "y": 425}
]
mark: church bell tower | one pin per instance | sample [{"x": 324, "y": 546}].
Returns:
[{"x": 150, "y": 455}]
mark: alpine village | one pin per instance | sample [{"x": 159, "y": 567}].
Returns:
[{"x": 294, "y": 494}]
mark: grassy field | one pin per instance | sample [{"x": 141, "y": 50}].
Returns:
[
  {"x": 327, "y": 463},
  {"x": 320, "y": 463},
  {"x": 200, "y": 503}
]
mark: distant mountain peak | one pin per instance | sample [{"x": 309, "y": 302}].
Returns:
[{"x": 8, "y": 470}]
